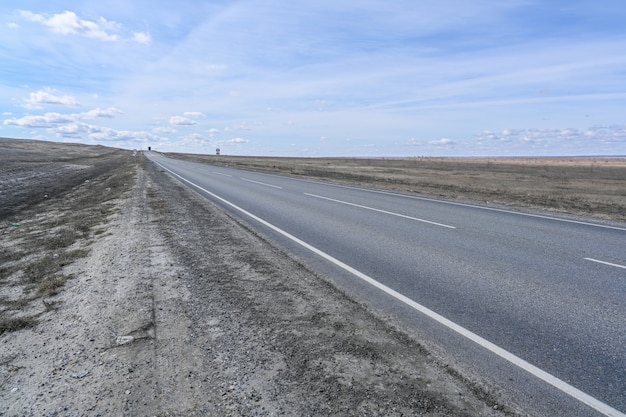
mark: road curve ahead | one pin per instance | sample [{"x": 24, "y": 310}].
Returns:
[{"x": 531, "y": 304}]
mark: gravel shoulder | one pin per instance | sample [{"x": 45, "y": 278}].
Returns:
[{"x": 179, "y": 310}]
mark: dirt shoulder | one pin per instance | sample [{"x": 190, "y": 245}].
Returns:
[{"x": 177, "y": 309}]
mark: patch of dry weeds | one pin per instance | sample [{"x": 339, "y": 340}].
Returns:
[
  {"x": 18, "y": 323},
  {"x": 38, "y": 242}
]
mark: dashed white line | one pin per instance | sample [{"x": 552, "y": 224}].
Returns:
[
  {"x": 563, "y": 386},
  {"x": 219, "y": 173},
  {"x": 454, "y": 203},
  {"x": 381, "y": 211},
  {"x": 606, "y": 263},
  {"x": 262, "y": 183}
]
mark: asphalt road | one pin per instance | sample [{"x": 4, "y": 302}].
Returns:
[{"x": 531, "y": 304}]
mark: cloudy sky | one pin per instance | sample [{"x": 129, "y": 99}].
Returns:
[{"x": 318, "y": 78}]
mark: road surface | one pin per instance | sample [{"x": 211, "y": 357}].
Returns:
[{"x": 530, "y": 303}]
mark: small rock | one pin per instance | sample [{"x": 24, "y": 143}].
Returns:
[
  {"x": 122, "y": 340},
  {"x": 80, "y": 374}
]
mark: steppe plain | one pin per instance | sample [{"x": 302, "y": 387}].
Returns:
[{"x": 113, "y": 301}]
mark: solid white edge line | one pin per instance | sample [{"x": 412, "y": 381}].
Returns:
[
  {"x": 561, "y": 385},
  {"x": 381, "y": 211},
  {"x": 606, "y": 263},
  {"x": 262, "y": 183}
]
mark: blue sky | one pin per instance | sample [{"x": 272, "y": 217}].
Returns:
[{"x": 322, "y": 78}]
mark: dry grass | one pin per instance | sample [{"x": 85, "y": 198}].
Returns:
[
  {"x": 18, "y": 323},
  {"x": 50, "y": 285},
  {"x": 38, "y": 241},
  {"x": 586, "y": 186}
]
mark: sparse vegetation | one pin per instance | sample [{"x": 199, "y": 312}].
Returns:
[
  {"x": 49, "y": 286},
  {"x": 42, "y": 234},
  {"x": 18, "y": 323}
]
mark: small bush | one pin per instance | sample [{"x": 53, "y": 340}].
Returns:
[
  {"x": 64, "y": 238},
  {"x": 18, "y": 323},
  {"x": 50, "y": 286}
]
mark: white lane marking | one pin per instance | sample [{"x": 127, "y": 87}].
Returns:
[
  {"x": 380, "y": 211},
  {"x": 262, "y": 183},
  {"x": 563, "y": 386},
  {"x": 485, "y": 208},
  {"x": 453, "y": 203},
  {"x": 606, "y": 263},
  {"x": 219, "y": 173}
]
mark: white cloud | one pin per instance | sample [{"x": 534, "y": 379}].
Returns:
[
  {"x": 163, "y": 130},
  {"x": 52, "y": 120},
  {"x": 442, "y": 141},
  {"x": 239, "y": 126},
  {"x": 194, "y": 141},
  {"x": 68, "y": 23},
  {"x": 593, "y": 140},
  {"x": 33, "y": 17},
  {"x": 47, "y": 120},
  {"x": 195, "y": 114},
  {"x": 195, "y": 136},
  {"x": 71, "y": 130},
  {"x": 110, "y": 135},
  {"x": 182, "y": 121},
  {"x": 46, "y": 97},
  {"x": 237, "y": 140},
  {"x": 213, "y": 133},
  {"x": 142, "y": 38},
  {"x": 59, "y": 125},
  {"x": 99, "y": 113}
]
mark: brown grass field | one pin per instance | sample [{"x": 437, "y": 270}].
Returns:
[{"x": 589, "y": 186}]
